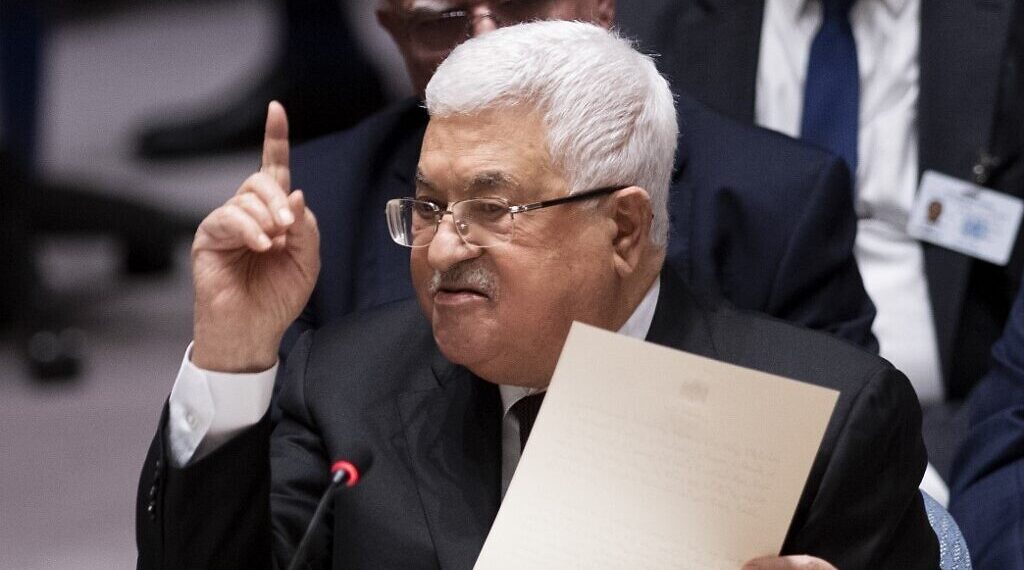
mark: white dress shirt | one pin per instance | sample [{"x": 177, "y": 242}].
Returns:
[
  {"x": 209, "y": 408},
  {"x": 887, "y": 34}
]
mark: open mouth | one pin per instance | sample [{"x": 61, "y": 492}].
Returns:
[
  {"x": 464, "y": 283},
  {"x": 459, "y": 295}
]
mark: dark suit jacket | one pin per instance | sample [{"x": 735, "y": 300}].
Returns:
[
  {"x": 971, "y": 105},
  {"x": 378, "y": 380},
  {"x": 757, "y": 218},
  {"x": 987, "y": 488}
]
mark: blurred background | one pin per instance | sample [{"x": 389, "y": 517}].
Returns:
[{"x": 111, "y": 111}]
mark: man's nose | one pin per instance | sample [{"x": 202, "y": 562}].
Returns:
[
  {"x": 483, "y": 21},
  {"x": 447, "y": 248}
]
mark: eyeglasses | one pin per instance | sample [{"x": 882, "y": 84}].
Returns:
[
  {"x": 440, "y": 32},
  {"x": 481, "y": 222}
]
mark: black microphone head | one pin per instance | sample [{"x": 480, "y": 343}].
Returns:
[{"x": 352, "y": 466}]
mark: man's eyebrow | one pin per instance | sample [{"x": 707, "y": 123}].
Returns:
[
  {"x": 421, "y": 180},
  {"x": 490, "y": 180}
]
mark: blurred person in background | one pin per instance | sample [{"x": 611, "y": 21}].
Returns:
[
  {"x": 898, "y": 88},
  {"x": 987, "y": 487}
]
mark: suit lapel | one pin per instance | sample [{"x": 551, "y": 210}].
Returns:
[
  {"x": 711, "y": 51},
  {"x": 452, "y": 424},
  {"x": 679, "y": 320},
  {"x": 962, "y": 45}
]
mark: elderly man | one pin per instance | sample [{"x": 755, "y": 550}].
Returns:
[
  {"x": 764, "y": 221},
  {"x": 541, "y": 199}
]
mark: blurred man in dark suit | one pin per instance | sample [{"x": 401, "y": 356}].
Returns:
[
  {"x": 898, "y": 88},
  {"x": 762, "y": 221},
  {"x": 987, "y": 488},
  {"x": 541, "y": 198}
]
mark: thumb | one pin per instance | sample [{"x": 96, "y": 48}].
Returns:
[
  {"x": 801, "y": 562},
  {"x": 303, "y": 235}
]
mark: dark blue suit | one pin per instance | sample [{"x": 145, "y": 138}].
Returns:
[
  {"x": 987, "y": 488},
  {"x": 758, "y": 219},
  {"x": 970, "y": 116}
]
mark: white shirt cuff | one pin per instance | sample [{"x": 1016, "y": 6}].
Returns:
[{"x": 209, "y": 408}]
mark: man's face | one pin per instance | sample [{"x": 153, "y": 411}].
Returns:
[
  {"x": 427, "y": 30},
  {"x": 504, "y": 311}
]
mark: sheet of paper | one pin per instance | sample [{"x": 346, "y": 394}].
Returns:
[{"x": 647, "y": 457}]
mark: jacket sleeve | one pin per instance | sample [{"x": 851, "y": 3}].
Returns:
[
  {"x": 862, "y": 507},
  {"x": 987, "y": 485},
  {"x": 307, "y": 321},
  {"x": 224, "y": 511},
  {"x": 817, "y": 284}
]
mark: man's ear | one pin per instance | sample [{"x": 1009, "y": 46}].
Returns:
[
  {"x": 633, "y": 215},
  {"x": 604, "y": 13}
]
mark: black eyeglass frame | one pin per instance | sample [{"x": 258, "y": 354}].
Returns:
[
  {"x": 512, "y": 209},
  {"x": 585, "y": 195}
]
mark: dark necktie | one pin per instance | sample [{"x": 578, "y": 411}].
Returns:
[
  {"x": 525, "y": 411},
  {"x": 832, "y": 90}
]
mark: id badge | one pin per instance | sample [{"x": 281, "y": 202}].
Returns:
[{"x": 965, "y": 218}]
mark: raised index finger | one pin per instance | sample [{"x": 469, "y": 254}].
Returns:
[{"x": 275, "y": 146}]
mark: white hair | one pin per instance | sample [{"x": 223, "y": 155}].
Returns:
[{"x": 609, "y": 115}]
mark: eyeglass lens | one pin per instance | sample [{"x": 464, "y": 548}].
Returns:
[
  {"x": 444, "y": 31},
  {"x": 482, "y": 222}
]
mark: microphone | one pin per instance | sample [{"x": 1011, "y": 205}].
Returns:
[
  {"x": 348, "y": 471},
  {"x": 345, "y": 473}
]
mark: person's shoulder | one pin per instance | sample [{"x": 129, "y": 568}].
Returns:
[
  {"x": 762, "y": 342},
  {"x": 709, "y": 140},
  {"x": 390, "y": 337},
  {"x": 382, "y": 330},
  {"x": 378, "y": 130},
  {"x": 337, "y": 170},
  {"x": 365, "y": 358}
]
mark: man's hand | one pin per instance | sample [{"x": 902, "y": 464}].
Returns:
[
  {"x": 788, "y": 563},
  {"x": 254, "y": 263}
]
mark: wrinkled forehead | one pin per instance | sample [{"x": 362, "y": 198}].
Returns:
[{"x": 499, "y": 152}]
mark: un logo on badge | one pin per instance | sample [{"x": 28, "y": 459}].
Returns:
[{"x": 975, "y": 228}]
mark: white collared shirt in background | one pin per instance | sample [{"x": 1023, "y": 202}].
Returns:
[{"x": 887, "y": 33}]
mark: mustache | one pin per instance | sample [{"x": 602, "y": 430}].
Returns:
[{"x": 472, "y": 276}]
